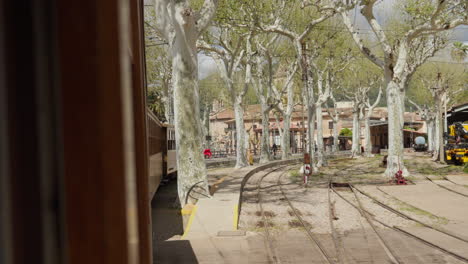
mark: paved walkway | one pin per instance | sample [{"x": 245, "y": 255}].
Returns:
[
  {"x": 211, "y": 234},
  {"x": 220, "y": 212}
]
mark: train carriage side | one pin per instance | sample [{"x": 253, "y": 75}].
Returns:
[
  {"x": 156, "y": 149},
  {"x": 162, "y": 153}
]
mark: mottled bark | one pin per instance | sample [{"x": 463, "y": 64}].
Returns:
[
  {"x": 286, "y": 136},
  {"x": 440, "y": 128},
  {"x": 435, "y": 135},
  {"x": 336, "y": 141},
  {"x": 188, "y": 130},
  {"x": 309, "y": 94},
  {"x": 356, "y": 146},
  {"x": 335, "y": 118},
  {"x": 430, "y": 134},
  {"x": 180, "y": 26},
  {"x": 265, "y": 141},
  {"x": 367, "y": 119},
  {"x": 311, "y": 134},
  {"x": 241, "y": 154},
  {"x": 395, "y": 130},
  {"x": 320, "y": 148},
  {"x": 367, "y": 138}
]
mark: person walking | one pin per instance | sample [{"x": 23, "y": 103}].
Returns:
[{"x": 274, "y": 148}]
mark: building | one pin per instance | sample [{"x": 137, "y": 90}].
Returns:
[{"x": 223, "y": 130}]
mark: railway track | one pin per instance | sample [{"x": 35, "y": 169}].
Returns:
[
  {"x": 369, "y": 219},
  {"x": 341, "y": 254},
  {"x": 271, "y": 250},
  {"x": 458, "y": 184},
  {"x": 446, "y": 188},
  {"x": 316, "y": 243},
  {"x": 401, "y": 231},
  {"x": 408, "y": 217}
]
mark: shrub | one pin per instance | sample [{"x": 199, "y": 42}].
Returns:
[{"x": 346, "y": 132}]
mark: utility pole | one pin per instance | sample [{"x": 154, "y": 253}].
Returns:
[{"x": 440, "y": 92}]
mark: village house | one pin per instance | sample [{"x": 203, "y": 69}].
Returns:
[{"x": 223, "y": 130}]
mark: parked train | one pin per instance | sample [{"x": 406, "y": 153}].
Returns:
[{"x": 162, "y": 154}]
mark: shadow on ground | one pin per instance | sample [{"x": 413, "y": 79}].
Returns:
[{"x": 167, "y": 226}]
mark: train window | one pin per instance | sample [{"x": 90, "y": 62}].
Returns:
[{"x": 171, "y": 144}]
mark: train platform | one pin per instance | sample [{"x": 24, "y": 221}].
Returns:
[
  {"x": 211, "y": 234},
  {"x": 218, "y": 215}
]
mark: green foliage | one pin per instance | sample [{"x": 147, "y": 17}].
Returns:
[
  {"x": 155, "y": 104},
  {"x": 454, "y": 75},
  {"x": 211, "y": 88},
  {"x": 346, "y": 132}
]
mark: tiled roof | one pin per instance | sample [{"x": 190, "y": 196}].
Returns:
[{"x": 253, "y": 112}]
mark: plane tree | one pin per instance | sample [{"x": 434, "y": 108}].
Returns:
[
  {"x": 292, "y": 22},
  {"x": 180, "y": 23},
  {"x": 228, "y": 46},
  {"x": 401, "y": 55},
  {"x": 434, "y": 91}
]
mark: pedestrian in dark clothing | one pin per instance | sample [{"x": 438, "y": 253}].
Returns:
[{"x": 274, "y": 148}]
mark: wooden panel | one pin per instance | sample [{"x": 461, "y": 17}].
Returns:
[
  {"x": 99, "y": 172},
  {"x": 30, "y": 207},
  {"x": 141, "y": 150}
]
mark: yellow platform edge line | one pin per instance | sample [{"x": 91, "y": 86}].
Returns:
[
  {"x": 192, "y": 216},
  {"x": 236, "y": 216}
]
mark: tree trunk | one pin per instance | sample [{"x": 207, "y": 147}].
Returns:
[
  {"x": 440, "y": 129},
  {"x": 265, "y": 141},
  {"x": 241, "y": 157},
  {"x": 435, "y": 135},
  {"x": 320, "y": 155},
  {"x": 311, "y": 133},
  {"x": 191, "y": 167},
  {"x": 336, "y": 142},
  {"x": 367, "y": 136},
  {"x": 430, "y": 134},
  {"x": 395, "y": 130},
  {"x": 356, "y": 146},
  {"x": 286, "y": 137}
]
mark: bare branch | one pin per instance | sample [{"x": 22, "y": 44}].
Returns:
[
  {"x": 368, "y": 12},
  {"x": 365, "y": 50}
]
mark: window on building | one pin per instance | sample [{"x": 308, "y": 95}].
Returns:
[{"x": 277, "y": 140}]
